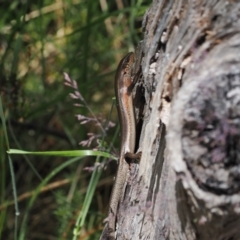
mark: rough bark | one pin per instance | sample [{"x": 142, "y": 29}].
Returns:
[{"x": 186, "y": 185}]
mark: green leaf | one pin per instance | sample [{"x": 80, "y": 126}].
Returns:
[{"x": 68, "y": 153}]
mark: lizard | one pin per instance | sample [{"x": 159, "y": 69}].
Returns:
[{"x": 126, "y": 114}]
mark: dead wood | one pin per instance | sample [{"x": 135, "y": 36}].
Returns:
[{"x": 187, "y": 183}]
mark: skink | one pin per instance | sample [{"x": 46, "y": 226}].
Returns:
[{"x": 126, "y": 117}]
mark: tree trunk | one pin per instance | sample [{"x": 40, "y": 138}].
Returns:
[{"x": 187, "y": 183}]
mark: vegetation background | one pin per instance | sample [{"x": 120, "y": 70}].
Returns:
[{"x": 39, "y": 41}]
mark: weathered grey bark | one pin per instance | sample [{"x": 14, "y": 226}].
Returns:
[{"x": 187, "y": 183}]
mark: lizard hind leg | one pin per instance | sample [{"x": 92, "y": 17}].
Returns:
[{"x": 133, "y": 157}]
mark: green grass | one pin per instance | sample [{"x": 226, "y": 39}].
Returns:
[{"x": 40, "y": 40}]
